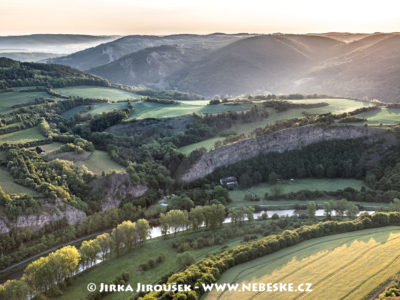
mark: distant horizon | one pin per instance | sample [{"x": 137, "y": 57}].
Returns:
[
  {"x": 187, "y": 33},
  {"x": 160, "y": 17}
]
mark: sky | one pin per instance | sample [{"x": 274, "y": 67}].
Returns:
[{"x": 122, "y": 17}]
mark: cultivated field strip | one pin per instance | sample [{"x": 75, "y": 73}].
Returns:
[{"x": 344, "y": 266}]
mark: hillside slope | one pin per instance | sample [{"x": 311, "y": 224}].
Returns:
[
  {"x": 346, "y": 65},
  {"x": 148, "y": 67},
  {"x": 14, "y": 73},
  {"x": 109, "y": 52},
  {"x": 258, "y": 64},
  {"x": 372, "y": 69},
  {"x": 288, "y": 139}
]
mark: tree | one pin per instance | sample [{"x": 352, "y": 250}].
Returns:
[
  {"x": 177, "y": 219},
  {"x": 340, "y": 207},
  {"x": 249, "y": 211},
  {"x": 64, "y": 262},
  {"x": 125, "y": 234},
  {"x": 214, "y": 215},
  {"x": 180, "y": 202},
  {"x": 44, "y": 127},
  {"x": 311, "y": 209},
  {"x": 164, "y": 224},
  {"x": 352, "y": 210},
  {"x": 273, "y": 177},
  {"x": 39, "y": 275},
  {"x": 89, "y": 250},
  {"x": 245, "y": 180},
  {"x": 143, "y": 230},
  {"x": 105, "y": 242},
  {"x": 328, "y": 210},
  {"x": 239, "y": 214},
  {"x": 394, "y": 205},
  {"x": 277, "y": 190},
  {"x": 197, "y": 217},
  {"x": 236, "y": 214},
  {"x": 14, "y": 290}
]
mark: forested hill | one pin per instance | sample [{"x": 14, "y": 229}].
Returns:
[
  {"x": 108, "y": 52},
  {"x": 343, "y": 65},
  {"x": 14, "y": 74}
]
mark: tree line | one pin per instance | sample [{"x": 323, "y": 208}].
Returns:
[
  {"x": 209, "y": 270},
  {"x": 331, "y": 159},
  {"x": 46, "y": 275}
]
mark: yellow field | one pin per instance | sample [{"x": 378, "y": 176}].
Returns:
[{"x": 343, "y": 266}]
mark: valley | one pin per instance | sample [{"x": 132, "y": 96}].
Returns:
[{"x": 256, "y": 157}]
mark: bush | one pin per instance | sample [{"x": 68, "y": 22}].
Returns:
[
  {"x": 152, "y": 263},
  {"x": 185, "y": 259}
]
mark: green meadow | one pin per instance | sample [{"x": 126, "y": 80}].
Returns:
[
  {"x": 9, "y": 99},
  {"x": 287, "y": 186},
  {"x": 384, "y": 116},
  {"x": 96, "y": 93},
  {"x": 9, "y": 186},
  {"x": 100, "y": 161},
  {"x": 22, "y": 136},
  {"x": 145, "y": 109},
  {"x": 335, "y": 106}
]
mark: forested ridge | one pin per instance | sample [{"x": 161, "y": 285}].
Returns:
[{"x": 60, "y": 169}]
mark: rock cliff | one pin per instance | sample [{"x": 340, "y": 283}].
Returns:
[
  {"x": 50, "y": 214},
  {"x": 110, "y": 190},
  {"x": 115, "y": 187},
  {"x": 287, "y": 139}
]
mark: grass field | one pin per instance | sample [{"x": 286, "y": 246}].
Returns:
[
  {"x": 208, "y": 144},
  {"x": 73, "y": 111},
  {"x": 343, "y": 266},
  {"x": 95, "y": 109},
  {"x": 97, "y": 161},
  {"x": 22, "y": 136},
  {"x": 9, "y": 99},
  {"x": 9, "y": 186},
  {"x": 100, "y": 161},
  {"x": 312, "y": 184},
  {"x": 96, "y": 93},
  {"x": 335, "y": 106},
  {"x": 107, "y": 271},
  {"x": 386, "y": 116},
  {"x": 143, "y": 109},
  {"x": 49, "y": 148}
]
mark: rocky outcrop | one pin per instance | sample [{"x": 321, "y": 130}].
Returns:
[
  {"x": 49, "y": 214},
  {"x": 287, "y": 139},
  {"x": 115, "y": 187}
]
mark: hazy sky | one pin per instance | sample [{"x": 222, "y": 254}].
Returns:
[{"x": 203, "y": 16}]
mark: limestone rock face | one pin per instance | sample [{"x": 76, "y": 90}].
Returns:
[
  {"x": 287, "y": 139},
  {"x": 50, "y": 214},
  {"x": 115, "y": 187},
  {"x": 110, "y": 190}
]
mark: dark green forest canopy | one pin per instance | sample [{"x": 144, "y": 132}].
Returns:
[{"x": 15, "y": 74}]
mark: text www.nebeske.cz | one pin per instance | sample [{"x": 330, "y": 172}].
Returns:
[{"x": 219, "y": 287}]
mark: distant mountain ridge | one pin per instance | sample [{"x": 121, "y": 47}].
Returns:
[
  {"x": 37, "y": 47},
  {"x": 339, "y": 64},
  {"x": 109, "y": 52},
  {"x": 148, "y": 67}
]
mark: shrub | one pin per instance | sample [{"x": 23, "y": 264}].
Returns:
[{"x": 185, "y": 259}]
